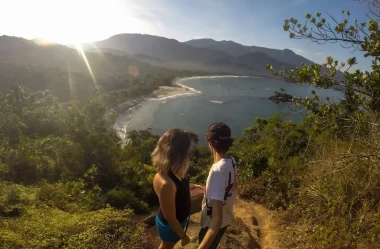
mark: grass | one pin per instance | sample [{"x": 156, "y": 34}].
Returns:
[
  {"x": 329, "y": 189},
  {"x": 44, "y": 227},
  {"x": 28, "y": 222},
  {"x": 339, "y": 200}
]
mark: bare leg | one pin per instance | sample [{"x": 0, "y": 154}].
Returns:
[{"x": 166, "y": 245}]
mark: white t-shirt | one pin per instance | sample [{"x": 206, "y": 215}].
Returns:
[{"x": 221, "y": 185}]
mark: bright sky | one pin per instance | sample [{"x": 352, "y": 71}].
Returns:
[{"x": 250, "y": 22}]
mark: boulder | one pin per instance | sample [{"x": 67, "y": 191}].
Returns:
[{"x": 281, "y": 97}]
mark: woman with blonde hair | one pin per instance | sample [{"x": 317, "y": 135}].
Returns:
[{"x": 171, "y": 158}]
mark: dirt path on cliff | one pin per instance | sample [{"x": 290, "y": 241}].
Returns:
[
  {"x": 254, "y": 227},
  {"x": 261, "y": 223}
]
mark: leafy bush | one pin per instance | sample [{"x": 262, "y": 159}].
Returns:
[
  {"x": 13, "y": 199},
  {"x": 342, "y": 187},
  {"x": 268, "y": 154},
  {"x": 201, "y": 161},
  {"x": 124, "y": 198},
  {"x": 47, "y": 228},
  {"x": 72, "y": 196}
]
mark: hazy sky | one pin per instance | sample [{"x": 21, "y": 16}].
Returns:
[{"x": 250, "y": 22}]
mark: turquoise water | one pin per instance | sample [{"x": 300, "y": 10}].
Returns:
[{"x": 236, "y": 101}]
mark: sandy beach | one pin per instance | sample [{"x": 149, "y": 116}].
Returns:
[
  {"x": 167, "y": 91},
  {"x": 124, "y": 110},
  {"x": 163, "y": 92}
]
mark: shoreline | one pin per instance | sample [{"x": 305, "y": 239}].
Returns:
[
  {"x": 220, "y": 76},
  {"x": 175, "y": 90},
  {"x": 125, "y": 109}
]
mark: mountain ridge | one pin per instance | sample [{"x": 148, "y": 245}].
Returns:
[
  {"x": 202, "y": 54},
  {"x": 150, "y": 54},
  {"x": 237, "y": 49},
  {"x": 169, "y": 49},
  {"x": 17, "y": 50}
]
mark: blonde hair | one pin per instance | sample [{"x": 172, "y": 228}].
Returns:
[{"x": 172, "y": 152}]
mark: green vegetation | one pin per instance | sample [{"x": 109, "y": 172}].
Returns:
[
  {"x": 78, "y": 86},
  {"x": 324, "y": 171},
  {"x": 67, "y": 182},
  {"x": 42, "y": 226},
  {"x": 63, "y": 171}
]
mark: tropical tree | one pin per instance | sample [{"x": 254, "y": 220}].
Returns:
[
  {"x": 361, "y": 89},
  {"x": 338, "y": 180}
]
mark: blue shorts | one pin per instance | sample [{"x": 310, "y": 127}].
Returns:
[{"x": 166, "y": 233}]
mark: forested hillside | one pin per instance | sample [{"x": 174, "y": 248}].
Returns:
[
  {"x": 74, "y": 75},
  {"x": 235, "y": 49},
  {"x": 66, "y": 181},
  {"x": 193, "y": 55},
  {"x": 20, "y": 51}
]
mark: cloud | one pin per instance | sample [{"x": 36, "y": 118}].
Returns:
[{"x": 319, "y": 53}]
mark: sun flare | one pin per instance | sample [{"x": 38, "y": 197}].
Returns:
[
  {"x": 72, "y": 22},
  {"x": 82, "y": 53}
]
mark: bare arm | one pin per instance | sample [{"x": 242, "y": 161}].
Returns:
[
  {"x": 167, "y": 202},
  {"x": 194, "y": 186},
  {"x": 216, "y": 223}
]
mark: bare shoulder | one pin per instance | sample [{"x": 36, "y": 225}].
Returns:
[{"x": 162, "y": 183}]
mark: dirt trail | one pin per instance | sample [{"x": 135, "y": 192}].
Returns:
[
  {"x": 260, "y": 221},
  {"x": 254, "y": 227}
]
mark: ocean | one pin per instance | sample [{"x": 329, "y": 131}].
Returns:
[{"x": 234, "y": 100}]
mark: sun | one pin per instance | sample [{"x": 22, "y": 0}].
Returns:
[{"x": 76, "y": 22}]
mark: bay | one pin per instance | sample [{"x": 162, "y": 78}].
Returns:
[{"x": 236, "y": 101}]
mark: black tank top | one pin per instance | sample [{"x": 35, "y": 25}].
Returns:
[{"x": 182, "y": 199}]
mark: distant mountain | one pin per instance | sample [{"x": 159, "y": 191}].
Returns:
[
  {"x": 254, "y": 62},
  {"x": 41, "y": 66},
  {"x": 160, "y": 47},
  {"x": 256, "y": 57},
  {"x": 260, "y": 59},
  {"x": 140, "y": 57},
  {"x": 112, "y": 58},
  {"x": 228, "y": 57},
  {"x": 107, "y": 50},
  {"x": 27, "y": 52},
  {"x": 144, "y": 57},
  {"x": 236, "y": 49},
  {"x": 230, "y": 47}
]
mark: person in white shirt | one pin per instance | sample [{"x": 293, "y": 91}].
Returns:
[{"x": 221, "y": 188}]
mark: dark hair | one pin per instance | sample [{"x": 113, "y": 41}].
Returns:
[
  {"x": 219, "y": 136},
  {"x": 172, "y": 152}
]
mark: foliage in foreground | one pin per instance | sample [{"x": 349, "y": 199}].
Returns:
[
  {"x": 324, "y": 172},
  {"x": 46, "y": 227},
  {"x": 63, "y": 165},
  {"x": 328, "y": 186},
  {"x": 64, "y": 172}
]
